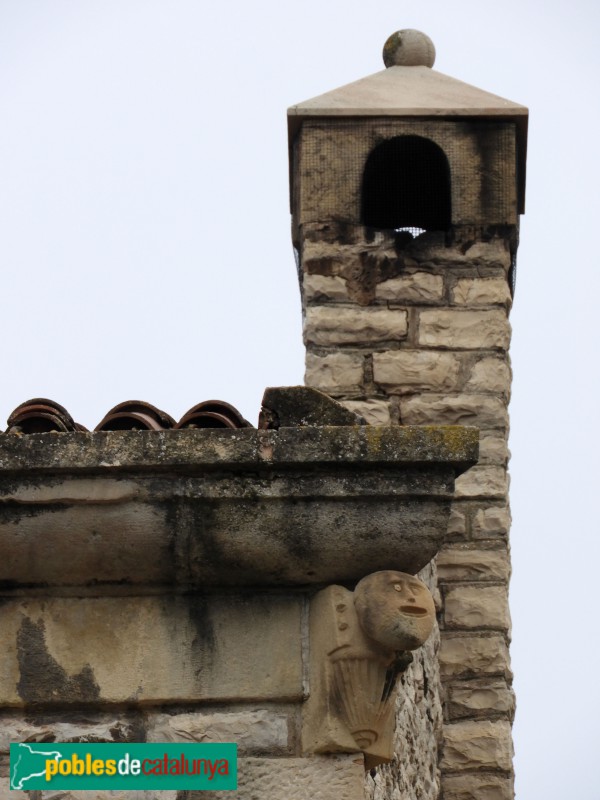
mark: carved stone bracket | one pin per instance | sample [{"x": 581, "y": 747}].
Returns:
[{"x": 359, "y": 643}]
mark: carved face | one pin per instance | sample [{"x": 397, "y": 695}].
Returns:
[{"x": 394, "y": 609}]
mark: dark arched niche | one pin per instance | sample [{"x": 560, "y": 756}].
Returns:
[{"x": 406, "y": 184}]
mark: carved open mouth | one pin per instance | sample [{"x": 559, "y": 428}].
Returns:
[{"x": 413, "y": 611}]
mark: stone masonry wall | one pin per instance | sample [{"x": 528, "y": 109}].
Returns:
[{"x": 417, "y": 332}]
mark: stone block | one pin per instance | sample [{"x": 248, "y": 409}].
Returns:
[
  {"x": 465, "y": 656},
  {"x": 334, "y": 372},
  {"x": 418, "y": 287},
  {"x": 493, "y": 449},
  {"x": 462, "y": 563},
  {"x": 491, "y": 374},
  {"x": 475, "y": 786},
  {"x": 255, "y": 732},
  {"x": 494, "y": 521},
  {"x": 469, "y": 330},
  {"x": 481, "y": 410},
  {"x": 151, "y": 649},
  {"x": 314, "y": 778},
  {"x": 401, "y": 371},
  {"x": 324, "y": 287},
  {"x": 473, "y": 745},
  {"x": 489, "y": 481},
  {"x": 481, "y": 292},
  {"x": 477, "y": 607},
  {"x": 44, "y": 524},
  {"x": 250, "y": 520},
  {"x": 82, "y": 728},
  {"x": 490, "y": 254},
  {"x": 375, "y": 412},
  {"x": 327, "y": 325},
  {"x": 457, "y": 523},
  {"x": 6, "y": 794},
  {"x": 479, "y": 698}
]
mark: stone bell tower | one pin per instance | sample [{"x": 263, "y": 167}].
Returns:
[{"x": 406, "y": 191}]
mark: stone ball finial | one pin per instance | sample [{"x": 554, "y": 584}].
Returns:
[{"x": 408, "y": 48}]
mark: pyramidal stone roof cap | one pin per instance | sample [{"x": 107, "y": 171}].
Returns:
[
  {"x": 415, "y": 91},
  {"x": 408, "y": 87}
]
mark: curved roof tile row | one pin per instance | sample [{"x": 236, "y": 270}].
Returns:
[{"x": 44, "y": 416}]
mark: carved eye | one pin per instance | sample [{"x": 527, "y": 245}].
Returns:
[{"x": 398, "y": 587}]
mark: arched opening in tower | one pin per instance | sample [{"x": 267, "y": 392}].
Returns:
[{"x": 406, "y": 186}]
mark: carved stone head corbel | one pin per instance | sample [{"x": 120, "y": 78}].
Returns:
[{"x": 359, "y": 643}]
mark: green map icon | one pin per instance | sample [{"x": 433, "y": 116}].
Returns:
[
  {"x": 27, "y": 762},
  {"x": 111, "y": 765}
]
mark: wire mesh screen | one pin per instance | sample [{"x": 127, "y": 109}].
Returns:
[
  {"x": 414, "y": 232},
  {"x": 426, "y": 174}
]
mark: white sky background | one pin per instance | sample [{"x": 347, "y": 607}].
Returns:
[{"x": 145, "y": 253}]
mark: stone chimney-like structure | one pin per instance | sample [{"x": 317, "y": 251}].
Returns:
[
  {"x": 406, "y": 191},
  {"x": 278, "y": 587}
]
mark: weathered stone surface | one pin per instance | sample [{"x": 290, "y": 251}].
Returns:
[
  {"x": 315, "y": 778},
  {"x": 375, "y": 412},
  {"x": 83, "y": 728},
  {"x": 265, "y": 517},
  {"x": 480, "y": 699},
  {"x": 335, "y": 372},
  {"x": 487, "y": 481},
  {"x": 482, "y": 410},
  {"x": 477, "y": 607},
  {"x": 324, "y": 287},
  {"x": 481, "y": 292},
  {"x": 59, "y": 539},
  {"x": 468, "y": 284},
  {"x": 457, "y": 523},
  {"x": 327, "y": 325},
  {"x": 416, "y": 287},
  {"x": 477, "y": 745},
  {"x": 400, "y": 371},
  {"x": 493, "y": 448},
  {"x": 463, "y": 563},
  {"x": 414, "y": 771},
  {"x": 475, "y": 786},
  {"x": 471, "y": 656},
  {"x": 490, "y": 254},
  {"x": 322, "y": 240},
  {"x": 255, "y": 732},
  {"x": 151, "y": 649},
  {"x": 6, "y": 794},
  {"x": 491, "y": 374},
  {"x": 494, "y": 521},
  {"x": 470, "y": 330},
  {"x": 300, "y": 407},
  {"x": 132, "y": 454}
]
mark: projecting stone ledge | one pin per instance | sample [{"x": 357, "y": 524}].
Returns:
[{"x": 116, "y": 511}]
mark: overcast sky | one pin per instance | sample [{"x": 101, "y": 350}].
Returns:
[{"x": 145, "y": 253}]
